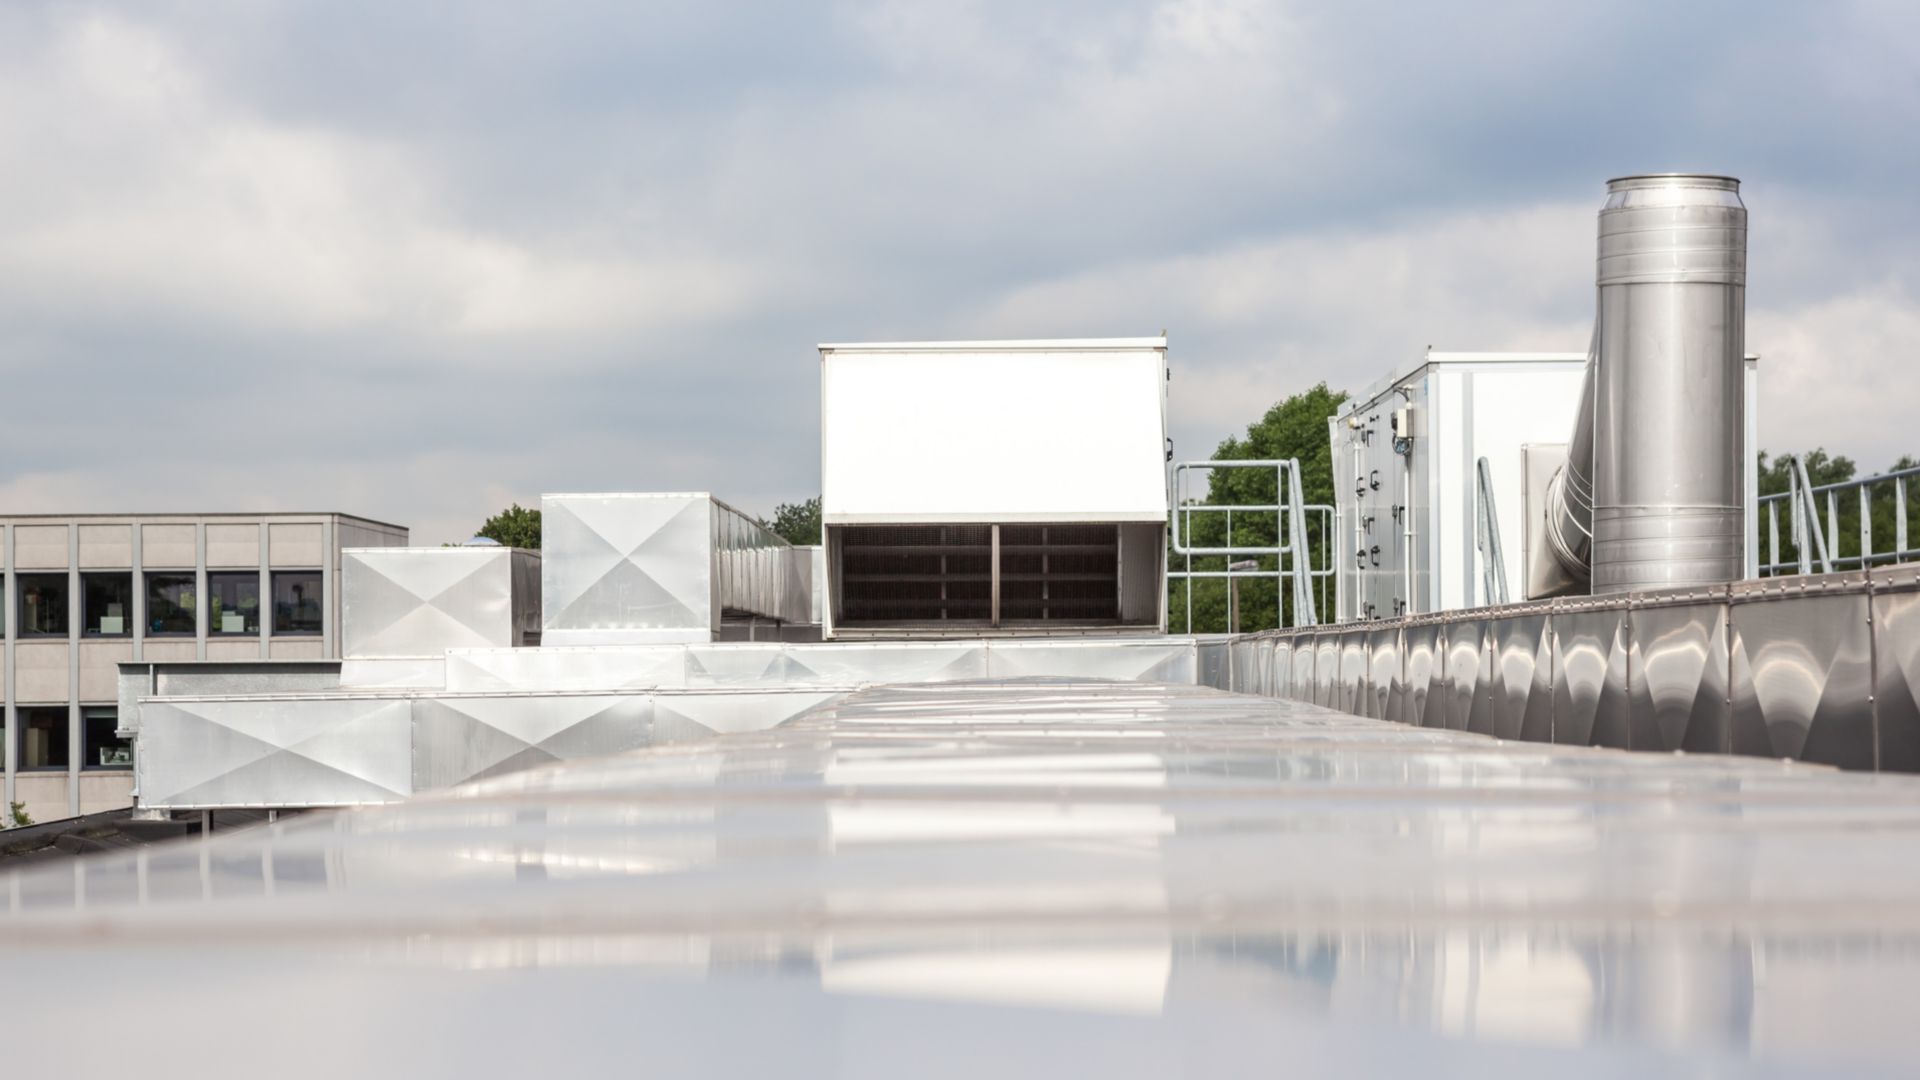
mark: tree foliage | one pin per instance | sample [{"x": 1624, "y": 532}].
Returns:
[
  {"x": 515, "y": 526},
  {"x": 1823, "y": 469},
  {"x": 17, "y": 816},
  {"x": 798, "y": 523},
  {"x": 1294, "y": 428}
]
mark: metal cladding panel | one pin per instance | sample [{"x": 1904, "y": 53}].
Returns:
[
  {"x": 1896, "y": 671},
  {"x": 1281, "y": 664},
  {"x": 691, "y": 715},
  {"x": 753, "y": 568},
  {"x": 1590, "y": 677},
  {"x": 1802, "y": 671},
  {"x": 320, "y": 751},
  {"x": 627, "y": 569},
  {"x": 1356, "y": 661},
  {"x": 1210, "y": 656},
  {"x": 1326, "y": 669},
  {"x": 888, "y": 662},
  {"x": 1469, "y": 678},
  {"x": 1424, "y": 700},
  {"x": 525, "y": 572},
  {"x": 1245, "y": 674},
  {"x": 1302, "y": 681},
  {"x": 394, "y": 673},
  {"x": 608, "y": 667},
  {"x": 1383, "y": 673},
  {"x": 1170, "y": 660},
  {"x": 415, "y": 602},
  {"x": 953, "y": 434},
  {"x": 1522, "y": 678},
  {"x": 1677, "y": 678},
  {"x": 462, "y": 738}
]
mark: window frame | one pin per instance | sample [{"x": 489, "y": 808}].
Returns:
[
  {"x": 273, "y": 584},
  {"x": 24, "y": 723},
  {"x": 147, "y": 586},
  {"x": 85, "y": 611},
  {"x": 214, "y": 578},
  {"x": 22, "y": 583},
  {"x": 88, "y": 715}
]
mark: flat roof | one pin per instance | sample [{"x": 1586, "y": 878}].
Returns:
[
  {"x": 1015, "y": 345},
  {"x": 213, "y": 514}
]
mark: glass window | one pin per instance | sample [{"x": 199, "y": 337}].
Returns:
[
  {"x": 43, "y": 738},
  {"x": 105, "y": 750},
  {"x": 233, "y": 603},
  {"x": 43, "y": 604},
  {"x": 171, "y": 604},
  {"x": 296, "y": 602},
  {"x": 106, "y": 604}
]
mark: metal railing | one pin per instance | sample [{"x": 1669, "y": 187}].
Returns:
[
  {"x": 1293, "y": 568},
  {"x": 1493, "y": 565},
  {"x": 1813, "y": 523}
]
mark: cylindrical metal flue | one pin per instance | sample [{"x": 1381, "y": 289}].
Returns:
[
  {"x": 1668, "y": 432},
  {"x": 1558, "y": 566}
]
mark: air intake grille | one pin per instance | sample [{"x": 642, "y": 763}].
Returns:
[
  {"x": 1055, "y": 573},
  {"x": 916, "y": 573}
]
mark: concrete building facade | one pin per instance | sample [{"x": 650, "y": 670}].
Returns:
[{"x": 87, "y": 592}]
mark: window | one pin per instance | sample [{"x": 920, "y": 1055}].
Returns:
[
  {"x": 105, "y": 750},
  {"x": 171, "y": 604},
  {"x": 43, "y": 605},
  {"x": 106, "y": 604},
  {"x": 296, "y": 602},
  {"x": 43, "y": 738},
  {"x": 233, "y": 603}
]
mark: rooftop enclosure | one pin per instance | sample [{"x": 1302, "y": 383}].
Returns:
[
  {"x": 1010, "y": 486},
  {"x": 1406, "y": 461},
  {"x": 661, "y": 567}
]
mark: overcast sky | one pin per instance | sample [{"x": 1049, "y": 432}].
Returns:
[{"x": 418, "y": 261}]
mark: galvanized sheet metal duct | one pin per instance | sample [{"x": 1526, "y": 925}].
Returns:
[
  {"x": 1651, "y": 495},
  {"x": 1668, "y": 441}
]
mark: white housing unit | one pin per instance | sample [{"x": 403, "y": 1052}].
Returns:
[
  {"x": 969, "y": 486},
  {"x": 420, "y": 602},
  {"x": 1405, "y": 464},
  {"x": 637, "y": 568}
]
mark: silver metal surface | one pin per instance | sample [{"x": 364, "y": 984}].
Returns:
[
  {"x": 1522, "y": 692},
  {"x": 1668, "y": 432},
  {"x": 333, "y": 750},
  {"x": 1493, "y": 562},
  {"x": 1009, "y": 879},
  {"x": 1802, "y": 668},
  {"x": 1590, "y": 675},
  {"x": 1560, "y": 565},
  {"x": 1677, "y": 670},
  {"x": 420, "y": 602},
  {"x": 457, "y": 738}
]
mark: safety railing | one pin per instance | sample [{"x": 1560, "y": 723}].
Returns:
[
  {"x": 1289, "y": 561},
  {"x": 1814, "y": 518},
  {"x": 1486, "y": 523}
]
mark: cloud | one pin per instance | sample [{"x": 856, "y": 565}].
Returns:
[{"x": 366, "y": 256}]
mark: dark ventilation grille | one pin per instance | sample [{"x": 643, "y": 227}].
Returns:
[
  {"x": 916, "y": 573},
  {"x": 1059, "y": 573}
]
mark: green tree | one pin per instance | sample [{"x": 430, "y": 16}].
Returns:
[
  {"x": 798, "y": 523},
  {"x": 515, "y": 526},
  {"x": 1294, "y": 428}
]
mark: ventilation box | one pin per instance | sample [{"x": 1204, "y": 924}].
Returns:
[{"x": 1005, "y": 486}]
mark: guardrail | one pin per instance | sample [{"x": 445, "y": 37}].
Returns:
[
  {"x": 1292, "y": 570},
  {"x": 1816, "y": 544}
]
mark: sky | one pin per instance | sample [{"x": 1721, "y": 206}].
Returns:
[{"x": 419, "y": 261}]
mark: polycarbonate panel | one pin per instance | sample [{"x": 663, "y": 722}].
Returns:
[
  {"x": 201, "y": 753},
  {"x": 1590, "y": 677},
  {"x": 628, "y": 569},
  {"x": 994, "y": 879},
  {"x": 457, "y": 738},
  {"x": 1522, "y": 697},
  {"x": 1677, "y": 678},
  {"x": 1801, "y": 670},
  {"x": 420, "y": 602}
]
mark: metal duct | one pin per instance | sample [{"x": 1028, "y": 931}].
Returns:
[
  {"x": 1650, "y": 496},
  {"x": 1668, "y": 438}
]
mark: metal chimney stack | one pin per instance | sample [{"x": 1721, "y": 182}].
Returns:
[{"x": 1668, "y": 432}]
